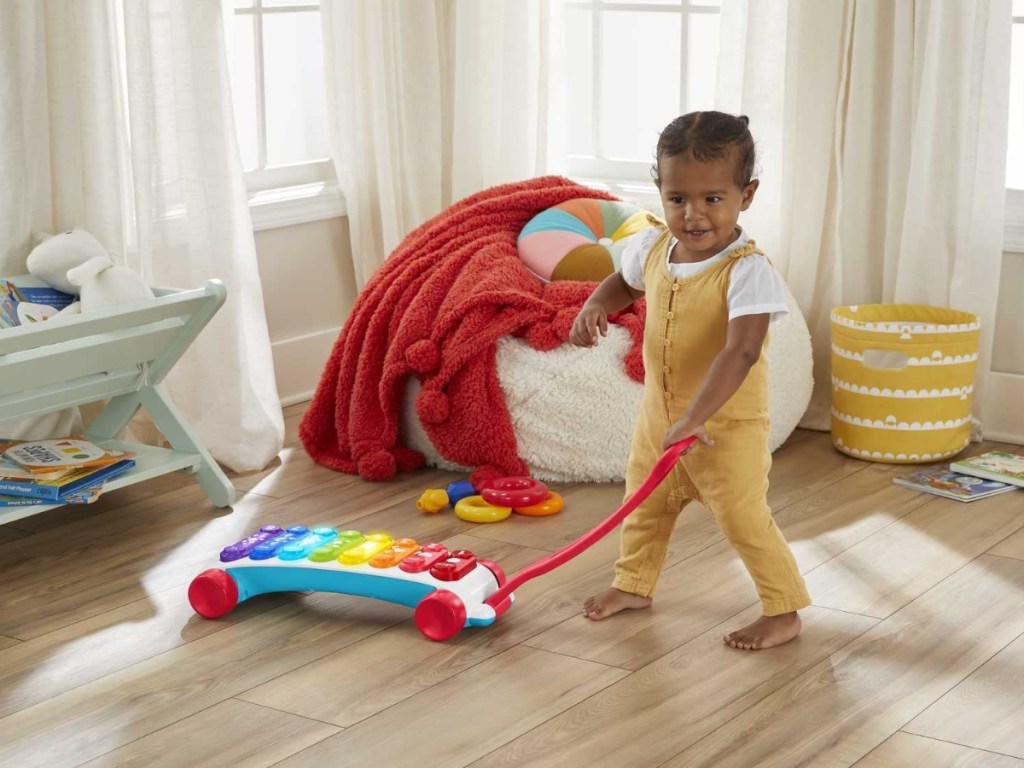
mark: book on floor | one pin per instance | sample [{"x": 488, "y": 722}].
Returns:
[
  {"x": 79, "y": 483},
  {"x": 48, "y": 457},
  {"x": 994, "y": 465},
  {"x": 943, "y": 481}
]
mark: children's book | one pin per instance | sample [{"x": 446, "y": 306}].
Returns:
[
  {"x": 942, "y": 481},
  {"x": 12, "y": 469},
  {"x": 994, "y": 465},
  {"x": 25, "y": 300},
  {"x": 66, "y": 487},
  {"x": 47, "y": 457}
]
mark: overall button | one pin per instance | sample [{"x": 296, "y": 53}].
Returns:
[
  {"x": 665, "y": 369},
  {"x": 668, "y": 343},
  {"x": 670, "y": 314},
  {"x": 675, "y": 287},
  {"x": 668, "y": 395}
]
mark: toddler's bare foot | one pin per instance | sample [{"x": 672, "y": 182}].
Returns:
[
  {"x": 766, "y": 632},
  {"x": 612, "y": 601}
]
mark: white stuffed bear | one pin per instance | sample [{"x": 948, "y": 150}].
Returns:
[{"x": 77, "y": 263}]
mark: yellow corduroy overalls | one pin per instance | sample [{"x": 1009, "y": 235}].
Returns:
[{"x": 685, "y": 329}]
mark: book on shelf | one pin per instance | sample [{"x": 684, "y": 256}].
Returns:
[
  {"x": 10, "y": 469},
  {"x": 25, "y": 300},
  {"x": 56, "y": 455},
  {"x": 944, "y": 481},
  {"x": 994, "y": 465},
  {"x": 71, "y": 487}
]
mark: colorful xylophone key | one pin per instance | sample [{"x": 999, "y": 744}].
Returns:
[
  {"x": 242, "y": 548},
  {"x": 269, "y": 549},
  {"x": 395, "y": 554},
  {"x": 305, "y": 546},
  {"x": 374, "y": 543}
]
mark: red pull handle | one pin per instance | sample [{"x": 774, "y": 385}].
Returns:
[{"x": 659, "y": 472}]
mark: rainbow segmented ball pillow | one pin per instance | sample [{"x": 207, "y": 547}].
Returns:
[{"x": 580, "y": 239}]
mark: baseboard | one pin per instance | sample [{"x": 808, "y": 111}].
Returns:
[{"x": 298, "y": 363}]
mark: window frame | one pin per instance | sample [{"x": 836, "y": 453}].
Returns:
[
  {"x": 1013, "y": 232},
  {"x": 600, "y": 165},
  {"x": 287, "y": 194}
]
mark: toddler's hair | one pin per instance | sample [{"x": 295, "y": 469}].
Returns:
[{"x": 708, "y": 136}]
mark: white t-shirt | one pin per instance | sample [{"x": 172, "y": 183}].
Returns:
[{"x": 755, "y": 286}]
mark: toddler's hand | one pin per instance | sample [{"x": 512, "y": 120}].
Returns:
[
  {"x": 585, "y": 328},
  {"x": 683, "y": 429}
]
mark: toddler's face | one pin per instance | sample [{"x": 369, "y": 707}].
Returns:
[{"x": 702, "y": 201}]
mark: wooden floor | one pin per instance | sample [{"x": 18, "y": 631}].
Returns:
[{"x": 912, "y": 655}]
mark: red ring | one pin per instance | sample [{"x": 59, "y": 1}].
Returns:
[{"x": 514, "y": 492}]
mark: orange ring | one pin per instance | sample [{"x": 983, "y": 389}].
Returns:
[{"x": 552, "y": 504}]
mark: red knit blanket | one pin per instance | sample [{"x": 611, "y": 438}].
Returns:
[{"x": 436, "y": 309}]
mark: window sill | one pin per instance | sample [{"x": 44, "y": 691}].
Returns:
[{"x": 300, "y": 204}]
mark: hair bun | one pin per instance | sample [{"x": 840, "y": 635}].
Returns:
[{"x": 745, "y": 120}]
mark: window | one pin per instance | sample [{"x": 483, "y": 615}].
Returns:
[
  {"x": 613, "y": 99},
  {"x": 277, "y": 85}
]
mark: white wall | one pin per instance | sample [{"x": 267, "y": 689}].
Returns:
[
  {"x": 308, "y": 290},
  {"x": 1004, "y": 415}
]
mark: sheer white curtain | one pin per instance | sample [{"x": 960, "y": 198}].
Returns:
[
  {"x": 127, "y": 131},
  {"x": 431, "y": 101},
  {"x": 882, "y": 132}
]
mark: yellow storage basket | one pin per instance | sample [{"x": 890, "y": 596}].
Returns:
[{"x": 902, "y": 381}]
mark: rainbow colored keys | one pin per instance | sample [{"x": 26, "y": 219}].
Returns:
[
  {"x": 325, "y": 545},
  {"x": 394, "y": 554},
  {"x": 375, "y": 542},
  {"x": 242, "y": 548},
  {"x": 305, "y": 546},
  {"x": 328, "y": 552},
  {"x": 269, "y": 549}
]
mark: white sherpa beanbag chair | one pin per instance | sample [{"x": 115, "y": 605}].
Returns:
[{"x": 573, "y": 409}]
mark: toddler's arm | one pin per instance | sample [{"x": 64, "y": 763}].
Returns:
[
  {"x": 612, "y": 295},
  {"x": 743, "y": 343}
]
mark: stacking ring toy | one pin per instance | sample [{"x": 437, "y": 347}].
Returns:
[
  {"x": 473, "y": 509},
  {"x": 549, "y": 506},
  {"x": 514, "y": 492}
]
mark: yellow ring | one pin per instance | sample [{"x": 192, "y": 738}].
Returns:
[
  {"x": 473, "y": 509},
  {"x": 552, "y": 504}
]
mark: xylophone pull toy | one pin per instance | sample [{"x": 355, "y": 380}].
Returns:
[{"x": 449, "y": 590}]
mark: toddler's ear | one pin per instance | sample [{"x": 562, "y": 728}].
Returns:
[{"x": 748, "y": 194}]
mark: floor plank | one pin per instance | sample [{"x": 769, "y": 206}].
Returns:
[
  {"x": 232, "y": 733},
  {"x": 51, "y": 664},
  {"x": 902, "y": 750},
  {"x": 676, "y": 700},
  {"x": 466, "y": 716},
  {"x": 818, "y": 527},
  {"x": 89, "y": 567},
  {"x": 982, "y": 711},
  {"x": 390, "y": 666},
  {"x": 1011, "y": 546},
  {"x": 881, "y": 574},
  {"x": 115, "y": 710},
  {"x": 10, "y": 533},
  {"x": 844, "y": 707},
  {"x": 7, "y": 642}
]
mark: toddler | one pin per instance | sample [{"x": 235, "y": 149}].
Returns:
[{"x": 711, "y": 295}]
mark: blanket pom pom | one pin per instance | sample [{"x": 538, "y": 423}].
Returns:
[
  {"x": 432, "y": 406},
  {"x": 423, "y": 356},
  {"x": 378, "y": 465},
  {"x": 542, "y": 337}
]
